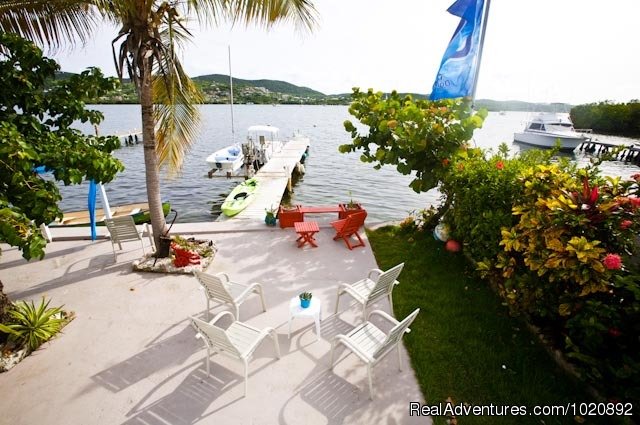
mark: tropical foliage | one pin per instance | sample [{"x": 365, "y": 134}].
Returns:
[
  {"x": 420, "y": 137},
  {"x": 609, "y": 118},
  {"x": 35, "y": 130},
  {"x": 30, "y": 325},
  {"x": 567, "y": 266},
  {"x": 51, "y": 23}
]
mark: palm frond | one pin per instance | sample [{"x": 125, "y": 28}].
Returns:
[
  {"x": 176, "y": 100},
  {"x": 49, "y": 23},
  {"x": 266, "y": 13}
]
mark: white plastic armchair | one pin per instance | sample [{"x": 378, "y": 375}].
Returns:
[
  {"x": 238, "y": 341},
  {"x": 371, "y": 344},
  {"x": 368, "y": 290},
  {"x": 219, "y": 287},
  {"x": 122, "y": 229}
]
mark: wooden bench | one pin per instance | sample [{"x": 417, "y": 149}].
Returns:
[{"x": 289, "y": 216}]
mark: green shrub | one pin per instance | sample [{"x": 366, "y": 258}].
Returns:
[
  {"x": 482, "y": 188},
  {"x": 33, "y": 325}
]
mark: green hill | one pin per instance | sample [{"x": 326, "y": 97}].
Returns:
[{"x": 271, "y": 85}]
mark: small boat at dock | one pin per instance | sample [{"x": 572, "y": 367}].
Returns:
[
  {"x": 228, "y": 159},
  {"x": 260, "y": 145},
  {"x": 240, "y": 197},
  {"x": 545, "y": 129}
]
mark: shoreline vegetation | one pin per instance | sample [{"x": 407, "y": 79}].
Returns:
[{"x": 215, "y": 89}]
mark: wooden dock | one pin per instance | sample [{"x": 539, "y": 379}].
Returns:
[
  {"x": 626, "y": 154},
  {"x": 273, "y": 178}
]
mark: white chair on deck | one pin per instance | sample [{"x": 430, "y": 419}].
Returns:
[
  {"x": 219, "y": 287},
  {"x": 122, "y": 229},
  {"x": 368, "y": 290},
  {"x": 371, "y": 344},
  {"x": 239, "y": 340}
]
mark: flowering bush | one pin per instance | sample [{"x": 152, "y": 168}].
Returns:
[{"x": 563, "y": 266}]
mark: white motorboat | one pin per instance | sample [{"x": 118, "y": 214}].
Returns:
[
  {"x": 546, "y": 128},
  {"x": 228, "y": 159},
  {"x": 262, "y": 142}
]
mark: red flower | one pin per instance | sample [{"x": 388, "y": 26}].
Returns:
[
  {"x": 635, "y": 202},
  {"x": 614, "y": 332},
  {"x": 500, "y": 165},
  {"x": 625, "y": 224},
  {"x": 612, "y": 262},
  {"x": 636, "y": 177},
  {"x": 445, "y": 162}
]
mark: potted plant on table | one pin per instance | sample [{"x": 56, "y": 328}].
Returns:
[
  {"x": 270, "y": 218},
  {"x": 305, "y": 299}
]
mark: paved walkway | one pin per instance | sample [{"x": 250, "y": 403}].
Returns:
[{"x": 130, "y": 356}]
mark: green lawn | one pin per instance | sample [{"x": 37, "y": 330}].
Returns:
[{"x": 463, "y": 344}]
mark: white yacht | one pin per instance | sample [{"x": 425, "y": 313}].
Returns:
[{"x": 546, "y": 128}]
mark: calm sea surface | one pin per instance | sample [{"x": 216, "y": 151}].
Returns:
[{"x": 330, "y": 176}]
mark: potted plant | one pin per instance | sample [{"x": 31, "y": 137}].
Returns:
[
  {"x": 305, "y": 299},
  {"x": 349, "y": 208},
  {"x": 270, "y": 218}
]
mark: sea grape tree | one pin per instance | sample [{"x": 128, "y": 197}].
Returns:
[
  {"x": 36, "y": 120},
  {"x": 418, "y": 136}
]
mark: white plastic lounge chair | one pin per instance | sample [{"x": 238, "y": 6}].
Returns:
[
  {"x": 219, "y": 287},
  {"x": 370, "y": 289},
  {"x": 239, "y": 340},
  {"x": 371, "y": 344},
  {"x": 122, "y": 229}
]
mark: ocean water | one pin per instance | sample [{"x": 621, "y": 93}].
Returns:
[{"x": 330, "y": 178}]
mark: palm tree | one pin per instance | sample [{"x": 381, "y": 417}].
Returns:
[{"x": 145, "y": 49}]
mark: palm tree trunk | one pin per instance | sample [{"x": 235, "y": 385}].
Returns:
[{"x": 152, "y": 170}]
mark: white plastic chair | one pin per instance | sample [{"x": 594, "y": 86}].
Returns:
[
  {"x": 122, "y": 229},
  {"x": 368, "y": 290},
  {"x": 371, "y": 344},
  {"x": 238, "y": 341},
  {"x": 219, "y": 287}
]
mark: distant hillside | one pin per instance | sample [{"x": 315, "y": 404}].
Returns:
[
  {"x": 272, "y": 85},
  {"x": 215, "y": 88}
]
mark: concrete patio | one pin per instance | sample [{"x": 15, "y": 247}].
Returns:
[{"x": 130, "y": 356}]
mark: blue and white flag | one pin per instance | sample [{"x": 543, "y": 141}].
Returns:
[{"x": 460, "y": 61}]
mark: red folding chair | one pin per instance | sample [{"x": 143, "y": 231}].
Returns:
[{"x": 349, "y": 227}]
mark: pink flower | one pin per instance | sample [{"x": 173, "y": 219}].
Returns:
[
  {"x": 612, "y": 262},
  {"x": 636, "y": 177},
  {"x": 625, "y": 224},
  {"x": 500, "y": 165}
]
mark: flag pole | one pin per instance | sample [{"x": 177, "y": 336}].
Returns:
[{"x": 484, "y": 30}]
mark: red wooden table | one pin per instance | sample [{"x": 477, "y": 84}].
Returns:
[{"x": 306, "y": 230}]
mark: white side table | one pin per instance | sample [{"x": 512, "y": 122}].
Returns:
[{"x": 314, "y": 310}]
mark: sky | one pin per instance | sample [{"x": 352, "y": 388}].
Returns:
[{"x": 573, "y": 51}]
